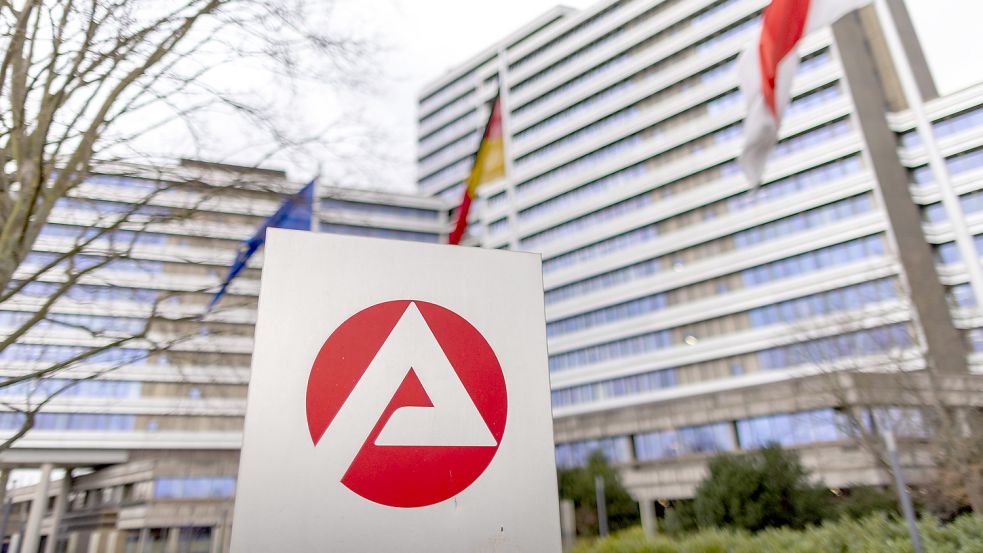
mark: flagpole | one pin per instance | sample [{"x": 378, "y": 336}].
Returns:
[
  {"x": 936, "y": 161},
  {"x": 316, "y": 202}
]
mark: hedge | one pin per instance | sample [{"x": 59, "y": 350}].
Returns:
[{"x": 876, "y": 534}]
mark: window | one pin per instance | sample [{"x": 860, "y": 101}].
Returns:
[
  {"x": 831, "y": 348},
  {"x": 70, "y": 422},
  {"x": 623, "y": 386},
  {"x": 823, "y": 425},
  {"x": 380, "y": 209},
  {"x": 624, "y": 347},
  {"x": 379, "y": 232},
  {"x": 194, "y": 487},
  {"x": 711, "y": 438},
  {"x": 575, "y": 454}
]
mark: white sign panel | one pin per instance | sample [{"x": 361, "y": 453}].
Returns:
[{"x": 399, "y": 402}]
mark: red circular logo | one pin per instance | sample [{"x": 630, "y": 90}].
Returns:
[{"x": 430, "y": 388}]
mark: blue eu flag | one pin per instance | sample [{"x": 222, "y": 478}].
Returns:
[{"x": 295, "y": 213}]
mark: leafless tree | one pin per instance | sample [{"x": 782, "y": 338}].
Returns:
[
  {"x": 866, "y": 353},
  {"x": 82, "y": 82}
]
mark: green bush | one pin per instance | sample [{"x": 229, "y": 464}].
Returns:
[
  {"x": 874, "y": 534},
  {"x": 863, "y": 501},
  {"x": 768, "y": 488},
  {"x": 578, "y": 485}
]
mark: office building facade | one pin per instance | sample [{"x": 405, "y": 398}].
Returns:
[
  {"x": 687, "y": 315},
  {"x": 151, "y": 438}
]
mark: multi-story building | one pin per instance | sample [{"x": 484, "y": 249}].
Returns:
[
  {"x": 151, "y": 438},
  {"x": 682, "y": 307}
]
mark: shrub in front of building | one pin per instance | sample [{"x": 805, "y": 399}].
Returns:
[{"x": 873, "y": 534}]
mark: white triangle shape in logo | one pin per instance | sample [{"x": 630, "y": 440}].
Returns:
[{"x": 453, "y": 420}]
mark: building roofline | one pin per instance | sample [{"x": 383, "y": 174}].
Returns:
[{"x": 551, "y": 15}]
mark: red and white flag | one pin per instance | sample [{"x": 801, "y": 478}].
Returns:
[{"x": 768, "y": 66}]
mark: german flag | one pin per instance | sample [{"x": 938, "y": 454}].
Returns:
[{"x": 489, "y": 164}]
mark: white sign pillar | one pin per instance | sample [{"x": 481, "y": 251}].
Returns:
[{"x": 399, "y": 401}]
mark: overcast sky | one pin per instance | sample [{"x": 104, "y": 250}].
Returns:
[{"x": 424, "y": 38}]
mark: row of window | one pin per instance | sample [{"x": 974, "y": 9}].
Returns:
[
  {"x": 786, "y": 268},
  {"x": 705, "y": 42},
  {"x": 83, "y": 261},
  {"x": 849, "y": 298},
  {"x": 91, "y": 323},
  {"x": 949, "y": 126},
  {"x": 91, "y": 293},
  {"x": 725, "y": 102},
  {"x": 453, "y": 151},
  {"x": 720, "y": 136},
  {"x": 814, "y": 99},
  {"x": 949, "y": 253},
  {"x": 624, "y": 347},
  {"x": 822, "y": 351},
  {"x": 576, "y": 82},
  {"x": 971, "y": 202},
  {"x": 658, "y": 98},
  {"x": 786, "y": 429},
  {"x": 805, "y": 140},
  {"x": 618, "y": 387},
  {"x": 381, "y": 209},
  {"x": 465, "y": 99},
  {"x": 190, "y": 539},
  {"x": 457, "y": 168},
  {"x": 70, "y": 421},
  {"x": 575, "y": 454},
  {"x": 960, "y": 163},
  {"x": 467, "y": 125},
  {"x": 194, "y": 487},
  {"x": 811, "y": 138},
  {"x": 720, "y": 69},
  {"x": 830, "y": 301},
  {"x": 852, "y": 297},
  {"x": 609, "y": 314},
  {"x": 379, "y": 232},
  {"x": 119, "y": 237},
  {"x": 130, "y": 183},
  {"x": 781, "y": 228},
  {"x": 833, "y": 348},
  {"x": 58, "y": 354},
  {"x": 573, "y": 57},
  {"x": 535, "y": 129},
  {"x": 74, "y": 388},
  {"x": 465, "y": 75},
  {"x": 590, "y": 131},
  {"x": 975, "y": 339},
  {"x": 591, "y": 219},
  {"x": 816, "y": 176},
  {"x": 702, "y": 371},
  {"x": 798, "y": 182},
  {"x": 664, "y": 444},
  {"x": 961, "y": 296},
  {"x": 574, "y": 31},
  {"x": 593, "y": 158},
  {"x": 774, "y": 190},
  {"x": 803, "y": 221},
  {"x": 831, "y": 256},
  {"x": 118, "y": 208},
  {"x": 452, "y": 195}
]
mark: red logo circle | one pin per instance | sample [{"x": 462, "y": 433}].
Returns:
[{"x": 446, "y": 395}]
